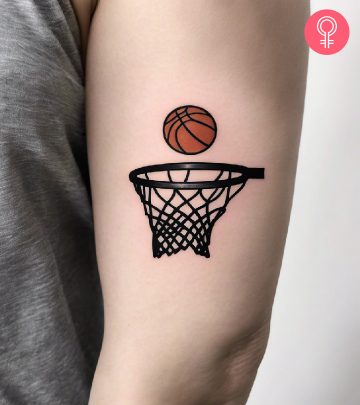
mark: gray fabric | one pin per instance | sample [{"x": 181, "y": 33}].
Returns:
[{"x": 51, "y": 313}]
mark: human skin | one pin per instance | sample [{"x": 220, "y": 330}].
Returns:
[
  {"x": 84, "y": 11},
  {"x": 185, "y": 329}
]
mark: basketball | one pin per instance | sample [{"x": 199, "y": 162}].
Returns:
[{"x": 189, "y": 130}]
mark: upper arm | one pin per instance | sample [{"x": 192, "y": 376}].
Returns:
[{"x": 245, "y": 62}]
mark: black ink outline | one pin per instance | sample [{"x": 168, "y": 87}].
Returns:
[
  {"x": 179, "y": 116},
  {"x": 249, "y": 173},
  {"x": 174, "y": 229}
]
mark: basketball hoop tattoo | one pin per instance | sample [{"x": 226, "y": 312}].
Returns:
[{"x": 183, "y": 201}]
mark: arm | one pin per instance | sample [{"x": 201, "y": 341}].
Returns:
[{"x": 186, "y": 329}]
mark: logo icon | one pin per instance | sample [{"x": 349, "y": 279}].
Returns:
[
  {"x": 327, "y": 27},
  {"x": 327, "y": 32}
]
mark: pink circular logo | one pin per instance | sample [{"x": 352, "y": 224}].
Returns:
[{"x": 327, "y": 32}]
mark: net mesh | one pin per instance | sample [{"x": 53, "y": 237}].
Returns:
[{"x": 180, "y": 218}]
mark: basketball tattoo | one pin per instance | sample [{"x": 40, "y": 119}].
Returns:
[
  {"x": 189, "y": 130},
  {"x": 184, "y": 200}
]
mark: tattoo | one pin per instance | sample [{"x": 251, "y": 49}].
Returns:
[
  {"x": 189, "y": 130},
  {"x": 184, "y": 200}
]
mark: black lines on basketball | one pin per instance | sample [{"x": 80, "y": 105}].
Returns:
[{"x": 189, "y": 130}]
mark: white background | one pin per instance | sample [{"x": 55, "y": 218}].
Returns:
[{"x": 313, "y": 357}]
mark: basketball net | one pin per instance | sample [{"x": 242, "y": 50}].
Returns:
[{"x": 182, "y": 214}]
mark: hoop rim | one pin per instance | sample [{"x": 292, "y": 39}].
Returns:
[{"x": 244, "y": 172}]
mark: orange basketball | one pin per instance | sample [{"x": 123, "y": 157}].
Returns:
[{"x": 189, "y": 130}]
